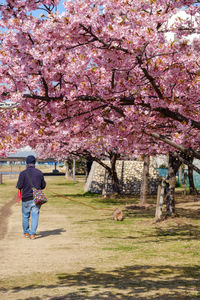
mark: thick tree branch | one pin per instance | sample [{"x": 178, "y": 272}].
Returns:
[
  {"x": 83, "y": 113},
  {"x": 45, "y": 98},
  {"x": 183, "y": 149},
  {"x": 88, "y": 154},
  {"x": 105, "y": 45},
  {"x": 186, "y": 162},
  {"x": 166, "y": 112}
]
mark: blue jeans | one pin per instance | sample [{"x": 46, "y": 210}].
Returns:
[{"x": 30, "y": 209}]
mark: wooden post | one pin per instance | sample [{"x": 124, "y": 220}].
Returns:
[
  {"x": 1, "y": 178},
  {"x": 160, "y": 200},
  {"x": 11, "y": 170}
]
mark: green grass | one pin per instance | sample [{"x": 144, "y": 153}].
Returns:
[
  {"x": 7, "y": 190},
  {"x": 133, "y": 259}
]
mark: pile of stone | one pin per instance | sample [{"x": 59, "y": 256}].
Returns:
[{"x": 129, "y": 174}]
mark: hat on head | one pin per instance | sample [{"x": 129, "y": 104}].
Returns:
[{"x": 30, "y": 159}]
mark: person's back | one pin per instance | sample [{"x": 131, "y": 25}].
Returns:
[
  {"x": 28, "y": 178},
  {"x": 23, "y": 183}
]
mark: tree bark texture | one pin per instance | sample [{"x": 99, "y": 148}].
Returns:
[
  {"x": 115, "y": 179},
  {"x": 174, "y": 164},
  {"x": 185, "y": 183},
  {"x": 145, "y": 177},
  {"x": 69, "y": 168},
  {"x": 88, "y": 166},
  {"x": 105, "y": 184},
  {"x": 160, "y": 200},
  {"x": 193, "y": 190},
  {"x": 111, "y": 171},
  {"x": 180, "y": 175}
]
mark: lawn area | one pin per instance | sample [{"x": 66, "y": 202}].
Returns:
[
  {"x": 132, "y": 259},
  {"x": 7, "y": 190}
]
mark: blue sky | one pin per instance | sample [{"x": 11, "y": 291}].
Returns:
[{"x": 59, "y": 8}]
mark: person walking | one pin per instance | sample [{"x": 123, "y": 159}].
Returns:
[{"x": 29, "y": 208}]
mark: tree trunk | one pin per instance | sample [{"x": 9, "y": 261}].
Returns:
[
  {"x": 185, "y": 183},
  {"x": 193, "y": 190},
  {"x": 105, "y": 184},
  {"x": 144, "y": 184},
  {"x": 74, "y": 170},
  {"x": 69, "y": 169},
  {"x": 115, "y": 179},
  {"x": 191, "y": 182},
  {"x": 160, "y": 200},
  {"x": 88, "y": 166},
  {"x": 174, "y": 164},
  {"x": 180, "y": 175},
  {"x": 111, "y": 170}
]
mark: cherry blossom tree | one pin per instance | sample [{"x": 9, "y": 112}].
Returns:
[
  {"x": 119, "y": 61},
  {"x": 109, "y": 64}
]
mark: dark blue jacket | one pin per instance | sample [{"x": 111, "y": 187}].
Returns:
[{"x": 23, "y": 183}]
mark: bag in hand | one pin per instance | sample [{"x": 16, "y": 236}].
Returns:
[{"x": 19, "y": 196}]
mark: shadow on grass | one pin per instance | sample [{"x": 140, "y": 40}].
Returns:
[
  {"x": 142, "y": 213},
  {"x": 42, "y": 234},
  {"x": 98, "y": 202},
  {"x": 183, "y": 232},
  {"x": 67, "y": 183},
  {"x": 127, "y": 283},
  {"x": 148, "y": 212},
  {"x": 189, "y": 213},
  {"x": 79, "y": 195}
]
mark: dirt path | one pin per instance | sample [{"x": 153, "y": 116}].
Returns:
[
  {"x": 46, "y": 253},
  {"x": 54, "y": 251},
  {"x": 5, "y": 212}
]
